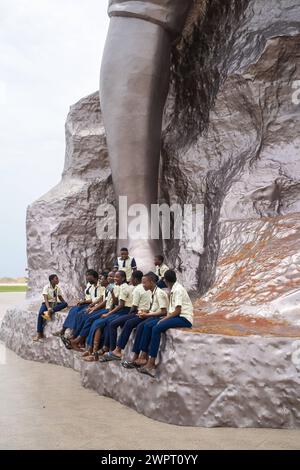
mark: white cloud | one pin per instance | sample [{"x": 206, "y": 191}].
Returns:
[{"x": 50, "y": 54}]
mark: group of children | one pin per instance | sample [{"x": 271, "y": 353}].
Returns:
[{"x": 122, "y": 300}]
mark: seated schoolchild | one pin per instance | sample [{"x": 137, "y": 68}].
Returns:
[
  {"x": 85, "y": 318},
  {"x": 53, "y": 301},
  {"x": 141, "y": 300},
  {"x": 124, "y": 293},
  {"x": 125, "y": 263},
  {"x": 160, "y": 269},
  {"x": 92, "y": 280},
  {"x": 158, "y": 307},
  {"x": 110, "y": 301},
  {"x": 180, "y": 315}
]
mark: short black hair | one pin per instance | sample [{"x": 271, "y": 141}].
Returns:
[
  {"x": 170, "y": 276},
  {"x": 160, "y": 257},
  {"x": 93, "y": 273},
  {"x": 105, "y": 274},
  {"x": 52, "y": 276},
  {"x": 89, "y": 271},
  {"x": 123, "y": 274},
  {"x": 137, "y": 275},
  {"x": 152, "y": 276},
  {"x": 124, "y": 249}
]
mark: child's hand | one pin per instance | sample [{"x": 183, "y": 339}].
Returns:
[{"x": 143, "y": 314}]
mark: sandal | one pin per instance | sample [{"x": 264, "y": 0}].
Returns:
[
  {"x": 109, "y": 357},
  {"x": 146, "y": 371},
  {"x": 86, "y": 354},
  {"x": 37, "y": 339},
  {"x": 129, "y": 365},
  {"x": 66, "y": 342},
  {"x": 92, "y": 358},
  {"x": 58, "y": 334},
  {"x": 102, "y": 351}
]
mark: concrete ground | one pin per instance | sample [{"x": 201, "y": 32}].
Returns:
[{"x": 43, "y": 406}]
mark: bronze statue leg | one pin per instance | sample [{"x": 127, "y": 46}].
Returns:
[
  {"x": 134, "y": 85},
  {"x": 133, "y": 89}
]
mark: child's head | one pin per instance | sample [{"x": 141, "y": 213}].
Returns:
[
  {"x": 92, "y": 276},
  {"x": 104, "y": 279},
  {"x": 170, "y": 278},
  {"x": 149, "y": 281},
  {"x": 124, "y": 253},
  {"x": 120, "y": 277},
  {"x": 53, "y": 279},
  {"x": 158, "y": 260},
  {"x": 111, "y": 277},
  {"x": 136, "y": 278}
]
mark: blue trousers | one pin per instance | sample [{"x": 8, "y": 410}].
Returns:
[
  {"x": 102, "y": 323},
  {"x": 41, "y": 322},
  {"x": 128, "y": 328},
  {"x": 161, "y": 327},
  {"x": 85, "y": 321},
  {"x": 143, "y": 335},
  {"x": 70, "y": 320},
  {"x": 111, "y": 329}
]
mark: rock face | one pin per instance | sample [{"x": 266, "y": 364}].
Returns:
[
  {"x": 203, "y": 380},
  {"x": 62, "y": 224},
  {"x": 232, "y": 141}
]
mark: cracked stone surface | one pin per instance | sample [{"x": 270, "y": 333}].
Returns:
[{"x": 203, "y": 379}]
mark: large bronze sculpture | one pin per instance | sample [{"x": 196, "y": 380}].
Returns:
[{"x": 133, "y": 89}]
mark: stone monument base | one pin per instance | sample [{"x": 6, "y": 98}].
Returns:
[{"x": 206, "y": 380}]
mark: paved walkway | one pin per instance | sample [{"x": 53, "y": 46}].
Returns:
[{"x": 43, "y": 406}]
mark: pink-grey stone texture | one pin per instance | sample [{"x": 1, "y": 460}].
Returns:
[{"x": 203, "y": 380}]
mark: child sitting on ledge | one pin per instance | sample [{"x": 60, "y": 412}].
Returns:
[
  {"x": 180, "y": 315},
  {"x": 53, "y": 301}
]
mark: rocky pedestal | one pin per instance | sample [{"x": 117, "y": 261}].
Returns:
[{"x": 203, "y": 379}]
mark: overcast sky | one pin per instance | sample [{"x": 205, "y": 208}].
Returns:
[{"x": 50, "y": 55}]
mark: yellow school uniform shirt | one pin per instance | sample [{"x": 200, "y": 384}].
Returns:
[
  {"x": 116, "y": 291},
  {"x": 97, "y": 292},
  {"x": 127, "y": 265},
  {"x": 180, "y": 298},
  {"x": 126, "y": 294},
  {"x": 52, "y": 293},
  {"x": 109, "y": 299},
  {"x": 87, "y": 293},
  {"x": 159, "y": 300},
  {"x": 141, "y": 298},
  {"x": 161, "y": 270}
]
